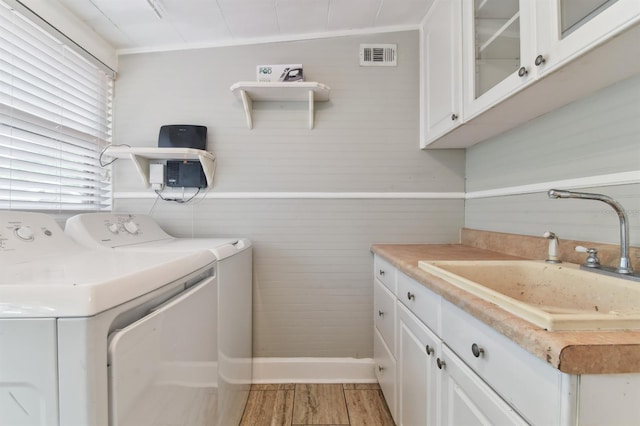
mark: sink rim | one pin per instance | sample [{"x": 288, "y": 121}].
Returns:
[{"x": 581, "y": 321}]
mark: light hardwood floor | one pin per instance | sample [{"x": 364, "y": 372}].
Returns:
[{"x": 316, "y": 404}]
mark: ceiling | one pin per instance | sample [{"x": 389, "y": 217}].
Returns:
[{"x": 135, "y": 25}]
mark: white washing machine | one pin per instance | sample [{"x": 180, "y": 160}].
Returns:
[
  {"x": 141, "y": 233},
  {"x": 89, "y": 337}
]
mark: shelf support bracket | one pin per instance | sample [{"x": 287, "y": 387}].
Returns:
[
  {"x": 209, "y": 168},
  {"x": 142, "y": 165},
  {"x": 311, "y": 109},
  {"x": 248, "y": 107}
]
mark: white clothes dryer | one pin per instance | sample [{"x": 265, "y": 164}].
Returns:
[
  {"x": 89, "y": 337},
  {"x": 123, "y": 232}
]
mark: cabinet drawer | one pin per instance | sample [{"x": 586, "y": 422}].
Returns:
[
  {"x": 498, "y": 361},
  {"x": 385, "y": 370},
  {"x": 385, "y": 272},
  {"x": 384, "y": 314},
  {"x": 421, "y": 301}
]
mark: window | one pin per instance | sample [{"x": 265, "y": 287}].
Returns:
[{"x": 55, "y": 120}]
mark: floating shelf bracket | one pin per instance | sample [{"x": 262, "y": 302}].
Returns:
[
  {"x": 252, "y": 91},
  {"x": 141, "y": 159}
]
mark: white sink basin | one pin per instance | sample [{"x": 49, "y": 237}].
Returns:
[{"x": 551, "y": 296}]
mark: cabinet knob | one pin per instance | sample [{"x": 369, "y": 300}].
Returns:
[
  {"x": 380, "y": 368},
  {"x": 540, "y": 60},
  {"x": 381, "y": 272},
  {"x": 522, "y": 71},
  {"x": 454, "y": 117},
  {"x": 441, "y": 364},
  {"x": 476, "y": 350},
  {"x": 411, "y": 296},
  {"x": 380, "y": 313},
  {"x": 430, "y": 350}
]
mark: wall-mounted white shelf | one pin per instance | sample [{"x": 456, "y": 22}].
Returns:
[
  {"x": 142, "y": 156},
  {"x": 250, "y": 91}
]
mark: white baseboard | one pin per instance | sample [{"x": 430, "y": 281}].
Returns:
[{"x": 313, "y": 370}]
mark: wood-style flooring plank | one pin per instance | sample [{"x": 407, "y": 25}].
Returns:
[
  {"x": 319, "y": 404},
  {"x": 360, "y": 386},
  {"x": 273, "y": 386},
  {"x": 367, "y": 408},
  {"x": 268, "y": 408}
]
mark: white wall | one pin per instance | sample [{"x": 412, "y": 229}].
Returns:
[
  {"x": 592, "y": 145},
  {"x": 312, "y": 269}
]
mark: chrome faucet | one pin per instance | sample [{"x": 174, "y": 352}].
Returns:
[{"x": 624, "y": 266}]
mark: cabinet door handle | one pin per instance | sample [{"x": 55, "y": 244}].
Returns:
[
  {"x": 381, "y": 272},
  {"x": 380, "y": 368},
  {"x": 441, "y": 364},
  {"x": 454, "y": 117},
  {"x": 522, "y": 71},
  {"x": 380, "y": 313},
  {"x": 476, "y": 350},
  {"x": 411, "y": 296},
  {"x": 430, "y": 350},
  {"x": 540, "y": 60}
]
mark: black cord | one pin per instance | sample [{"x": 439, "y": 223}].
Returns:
[
  {"x": 102, "y": 153},
  {"x": 177, "y": 200}
]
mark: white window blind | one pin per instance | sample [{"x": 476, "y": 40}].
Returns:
[{"x": 55, "y": 120}]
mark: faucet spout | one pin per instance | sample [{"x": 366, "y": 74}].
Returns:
[{"x": 624, "y": 266}]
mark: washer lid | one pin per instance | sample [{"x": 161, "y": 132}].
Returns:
[
  {"x": 220, "y": 247},
  {"x": 85, "y": 283}
]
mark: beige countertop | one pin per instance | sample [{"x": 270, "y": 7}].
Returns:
[{"x": 573, "y": 352}]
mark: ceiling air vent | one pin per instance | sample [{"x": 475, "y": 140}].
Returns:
[{"x": 378, "y": 55}]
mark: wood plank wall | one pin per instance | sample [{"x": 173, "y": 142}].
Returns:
[
  {"x": 593, "y": 143},
  {"x": 312, "y": 268}
]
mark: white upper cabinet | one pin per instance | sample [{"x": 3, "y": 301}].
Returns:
[
  {"x": 441, "y": 91},
  {"x": 568, "y": 28},
  {"x": 519, "y": 59},
  {"x": 498, "y": 49}
]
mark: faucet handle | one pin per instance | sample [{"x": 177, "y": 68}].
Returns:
[{"x": 592, "y": 260}]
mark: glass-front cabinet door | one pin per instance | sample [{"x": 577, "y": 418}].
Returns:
[
  {"x": 499, "y": 38},
  {"x": 568, "y": 28}
]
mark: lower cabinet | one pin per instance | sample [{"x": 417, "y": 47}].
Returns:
[
  {"x": 467, "y": 400},
  {"x": 435, "y": 387},
  {"x": 385, "y": 369},
  {"x": 439, "y": 365},
  {"x": 418, "y": 379}
]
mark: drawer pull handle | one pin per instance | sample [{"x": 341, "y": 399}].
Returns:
[
  {"x": 381, "y": 272},
  {"x": 430, "y": 350},
  {"x": 380, "y": 313},
  {"x": 477, "y": 351},
  {"x": 380, "y": 368},
  {"x": 441, "y": 364},
  {"x": 411, "y": 296}
]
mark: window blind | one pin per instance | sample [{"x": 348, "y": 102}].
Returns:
[{"x": 55, "y": 120}]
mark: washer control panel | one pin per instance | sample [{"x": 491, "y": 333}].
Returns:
[
  {"x": 27, "y": 235},
  {"x": 114, "y": 230}
]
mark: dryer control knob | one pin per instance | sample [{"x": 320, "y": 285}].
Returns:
[
  {"x": 24, "y": 233},
  {"x": 131, "y": 227},
  {"x": 113, "y": 227}
]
